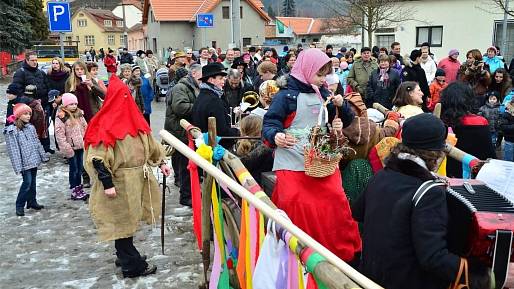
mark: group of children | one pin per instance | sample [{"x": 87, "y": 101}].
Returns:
[
  {"x": 27, "y": 154},
  {"x": 26, "y": 116}
]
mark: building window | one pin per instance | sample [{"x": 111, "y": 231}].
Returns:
[
  {"x": 241, "y": 11},
  {"x": 433, "y": 35},
  {"x": 122, "y": 40},
  {"x": 247, "y": 41},
  {"x": 110, "y": 39},
  {"x": 315, "y": 40},
  {"x": 68, "y": 38},
  {"x": 89, "y": 40},
  {"x": 119, "y": 23},
  {"x": 214, "y": 44},
  {"x": 304, "y": 40},
  {"x": 82, "y": 22},
  {"x": 77, "y": 38},
  {"x": 108, "y": 23},
  {"x": 226, "y": 12},
  {"x": 385, "y": 40}
]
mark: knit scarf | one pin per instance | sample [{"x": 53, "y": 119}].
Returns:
[
  {"x": 218, "y": 91},
  {"x": 384, "y": 77}
]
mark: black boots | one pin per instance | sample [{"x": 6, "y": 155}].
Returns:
[
  {"x": 35, "y": 206},
  {"x": 117, "y": 262},
  {"x": 20, "y": 212},
  {"x": 151, "y": 269}
]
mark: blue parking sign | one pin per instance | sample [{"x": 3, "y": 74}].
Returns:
[
  {"x": 205, "y": 20},
  {"x": 59, "y": 16}
]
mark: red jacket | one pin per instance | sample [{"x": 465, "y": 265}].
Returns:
[
  {"x": 451, "y": 68},
  {"x": 110, "y": 63}
]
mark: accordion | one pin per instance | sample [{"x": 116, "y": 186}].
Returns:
[{"x": 481, "y": 222}]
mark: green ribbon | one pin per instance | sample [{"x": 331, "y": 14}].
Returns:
[{"x": 311, "y": 263}]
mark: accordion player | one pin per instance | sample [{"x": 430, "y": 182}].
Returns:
[{"x": 481, "y": 224}]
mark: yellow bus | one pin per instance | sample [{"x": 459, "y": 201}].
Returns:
[{"x": 45, "y": 53}]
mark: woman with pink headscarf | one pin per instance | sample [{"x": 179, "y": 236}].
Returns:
[{"x": 316, "y": 205}]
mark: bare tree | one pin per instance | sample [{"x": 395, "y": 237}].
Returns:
[
  {"x": 500, "y": 4},
  {"x": 369, "y": 15}
]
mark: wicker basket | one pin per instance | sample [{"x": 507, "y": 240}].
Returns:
[{"x": 317, "y": 166}]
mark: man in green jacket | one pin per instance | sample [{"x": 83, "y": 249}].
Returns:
[
  {"x": 361, "y": 70},
  {"x": 179, "y": 106}
]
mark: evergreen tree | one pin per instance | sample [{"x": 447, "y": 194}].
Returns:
[
  {"x": 271, "y": 12},
  {"x": 288, "y": 8},
  {"x": 15, "y": 34},
  {"x": 39, "y": 23}
]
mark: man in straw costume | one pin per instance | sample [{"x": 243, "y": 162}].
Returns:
[{"x": 119, "y": 152}]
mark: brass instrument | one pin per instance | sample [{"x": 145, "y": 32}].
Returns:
[{"x": 252, "y": 98}]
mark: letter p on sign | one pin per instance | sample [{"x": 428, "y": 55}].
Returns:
[
  {"x": 58, "y": 10},
  {"x": 59, "y": 16}
]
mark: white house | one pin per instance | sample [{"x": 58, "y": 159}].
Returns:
[
  {"x": 133, "y": 12},
  {"x": 448, "y": 24}
]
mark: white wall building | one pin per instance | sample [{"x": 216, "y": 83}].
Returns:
[{"x": 448, "y": 24}]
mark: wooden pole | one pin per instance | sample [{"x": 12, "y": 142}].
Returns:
[{"x": 271, "y": 213}]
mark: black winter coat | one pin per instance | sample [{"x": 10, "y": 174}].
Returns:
[
  {"x": 57, "y": 80},
  {"x": 473, "y": 137},
  {"x": 380, "y": 93},
  {"x": 29, "y": 75},
  {"x": 126, "y": 58},
  {"x": 416, "y": 73},
  {"x": 208, "y": 104},
  {"x": 507, "y": 126},
  {"x": 404, "y": 246}
]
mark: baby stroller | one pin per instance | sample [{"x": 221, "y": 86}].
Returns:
[{"x": 161, "y": 83}]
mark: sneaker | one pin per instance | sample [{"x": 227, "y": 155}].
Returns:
[
  {"x": 183, "y": 211},
  {"x": 77, "y": 193}
]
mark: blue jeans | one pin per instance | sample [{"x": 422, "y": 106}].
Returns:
[
  {"x": 76, "y": 166},
  {"x": 27, "y": 193},
  {"x": 508, "y": 151}
]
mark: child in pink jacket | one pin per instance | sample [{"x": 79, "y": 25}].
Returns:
[{"x": 70, "y": 127}]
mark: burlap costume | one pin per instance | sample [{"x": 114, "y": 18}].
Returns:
[{"x": 138, "y": 197}]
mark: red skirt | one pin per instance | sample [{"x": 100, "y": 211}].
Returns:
[{"x": 319, "y": 207}]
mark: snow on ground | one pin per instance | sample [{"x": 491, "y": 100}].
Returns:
[{"x": 57, "y": 247}]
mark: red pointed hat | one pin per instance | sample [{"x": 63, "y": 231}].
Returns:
[{"x": 118, "y": 117}]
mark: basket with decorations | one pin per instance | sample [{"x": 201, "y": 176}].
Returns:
[{"x": 325, "y": 148}]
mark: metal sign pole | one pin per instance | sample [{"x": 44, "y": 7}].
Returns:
[{"x": 61, "y": 41}]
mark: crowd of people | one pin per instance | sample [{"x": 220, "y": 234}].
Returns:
[{"x": 272, "y": 100}]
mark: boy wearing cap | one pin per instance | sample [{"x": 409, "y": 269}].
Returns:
[
  {"x": 436, "y": 87},
  {"x": 404, "y": 233}
]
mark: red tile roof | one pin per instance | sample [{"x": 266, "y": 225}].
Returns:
[
  {"x": 304, "y": 25},
  {"x": 186, "y": 10}
]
